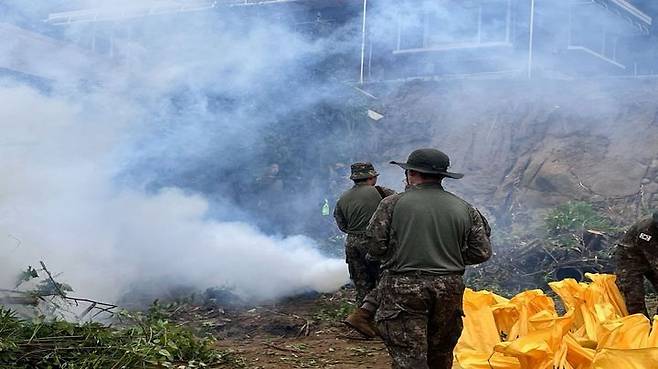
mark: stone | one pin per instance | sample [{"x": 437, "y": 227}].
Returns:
[{"x": 651, "y": 188}]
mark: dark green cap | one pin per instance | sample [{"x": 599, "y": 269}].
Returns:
[
  {"x": 363, "y": 171},
  {"x": 430, "y": 161}
]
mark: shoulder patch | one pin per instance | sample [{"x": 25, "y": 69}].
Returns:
[{"x": 646, "y": 237}]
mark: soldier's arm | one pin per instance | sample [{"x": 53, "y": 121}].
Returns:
[
  {"x": 379, "y": 228},
  {"x": 385, "y": 191},
  {"x": 341, "y": 222},
  {"x": 630, "y": 237},
  {"x": 478, "y": 245}
]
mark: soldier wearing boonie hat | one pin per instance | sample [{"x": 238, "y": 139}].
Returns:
[{"x": 424, "y": 238}]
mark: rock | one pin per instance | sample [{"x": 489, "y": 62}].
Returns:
[
  {"x": 651, "y": 188},
  {"x": 519, "y": 152}
]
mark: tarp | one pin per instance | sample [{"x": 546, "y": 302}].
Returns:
[{"x": 526, "y": 331}]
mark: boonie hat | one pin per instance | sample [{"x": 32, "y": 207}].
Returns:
[{"x": 430, "y": 161}]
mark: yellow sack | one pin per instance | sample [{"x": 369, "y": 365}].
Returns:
[
  {"x": 631, "y": 332},
  {"x": 474, "y": 360},
  {"x": 475, "y": 349},
  {"x": 611, "y": 291},
  {"x": 626, "y": 359},
  {"x": 539, "y": 349},
  {"x": 577, "y": 356},
  {"x": 506, "y": 316},
  {"x": 593, "y": 303},
  {"x": 526, "y": 333},
  {"x": 480, "y": 333},
  {"x": 527, "y": 304}
]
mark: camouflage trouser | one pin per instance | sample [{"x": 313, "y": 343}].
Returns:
[
  {"x": 632, "y": 267},
  {"x": 420, "y": 318},
  {"x": 363, "y": 272}
]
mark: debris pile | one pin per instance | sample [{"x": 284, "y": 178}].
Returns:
[
  {"x": 574, "y": 239},
  {"x": 526, "y": 332}
]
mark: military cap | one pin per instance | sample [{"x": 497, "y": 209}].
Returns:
[
  {"x": 363, "y": 171},
  {"x": 430, "y": 161}
]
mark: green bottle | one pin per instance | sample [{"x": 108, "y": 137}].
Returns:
[{"x": 325, "y": 208}]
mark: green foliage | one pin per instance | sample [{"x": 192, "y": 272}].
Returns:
[
  {"x": 565, "y": 223},
  {"x": 333, "y": 312},
  {"x": 576, "y": 216},
  {"x": 144, "y": 341}
]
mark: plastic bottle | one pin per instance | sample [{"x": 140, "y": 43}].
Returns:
[{"x": 326, "y": 208}]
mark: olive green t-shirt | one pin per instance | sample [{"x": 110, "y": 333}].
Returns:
[
  {"x": 355, "y": 207},
  {"x": 428, "y": 229}
]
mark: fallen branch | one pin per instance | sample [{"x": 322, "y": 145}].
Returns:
[{"x": 18, "y": 300}]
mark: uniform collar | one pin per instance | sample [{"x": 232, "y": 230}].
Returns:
[{"x": 426, "y": 185}]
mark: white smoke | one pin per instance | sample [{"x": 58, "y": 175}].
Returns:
[
  {"x": 61, "y": 152},
  {"x": 58, "y": 204}
]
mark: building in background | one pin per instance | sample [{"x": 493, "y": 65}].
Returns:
[
  {"x": 528, "y": 37},
  {"x": 390, "y": 39}
]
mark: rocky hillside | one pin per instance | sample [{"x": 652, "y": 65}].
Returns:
[{"x": 528, "y": 146}]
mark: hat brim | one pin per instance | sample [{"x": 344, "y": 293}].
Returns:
[
  {"x": 406, "y": 166},
  {"x": 363, "y": 176}
]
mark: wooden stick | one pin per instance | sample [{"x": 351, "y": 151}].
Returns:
[{"x": 50, "y": 276}]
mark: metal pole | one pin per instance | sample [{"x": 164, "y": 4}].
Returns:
[
  {"x": 370, "y": 62},
  {"x": 532, "y": 35},
  {"x": 363, "y": 41}
]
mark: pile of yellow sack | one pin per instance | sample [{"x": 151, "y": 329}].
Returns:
[{"x": 526, "y": 332}]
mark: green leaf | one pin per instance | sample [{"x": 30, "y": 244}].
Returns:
[{"x": 166, "y": 354}]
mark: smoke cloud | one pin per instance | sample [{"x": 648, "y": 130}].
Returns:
[{"x": 91, "y": 163}]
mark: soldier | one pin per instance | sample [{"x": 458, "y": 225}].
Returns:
[
  {"x": 424, "y": 237},
  {"x": 637, "y": 257},
  {"x": 353, "y": 212}
]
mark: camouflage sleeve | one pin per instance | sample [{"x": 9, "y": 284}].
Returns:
[
  {"x": 388, "y": 192},
  {"x": 630, "y": 237},
  {"x": 341, "y": 222},
  {"x": 478, "y": 246},
  {"x": 379, "y": 228}
]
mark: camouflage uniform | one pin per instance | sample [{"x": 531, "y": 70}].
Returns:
[
  {"x": 420, "y": 318},
  {"x": 419, "y": 315},
  {"x": 364, "y": 272},
  {"x": 352, "y": 213},
  {"x": 425, "y": 237},
  {"x": 637, "y": 257}
]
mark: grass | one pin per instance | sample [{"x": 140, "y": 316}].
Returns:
[{"x": 142, "y": 341}]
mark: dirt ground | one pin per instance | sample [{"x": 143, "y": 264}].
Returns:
[
  {"x": 303, "y": 332},
  {"x": 322, "y": 349}
]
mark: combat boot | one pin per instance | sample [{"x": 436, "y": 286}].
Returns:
[{"x": 362, "y": 321}]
